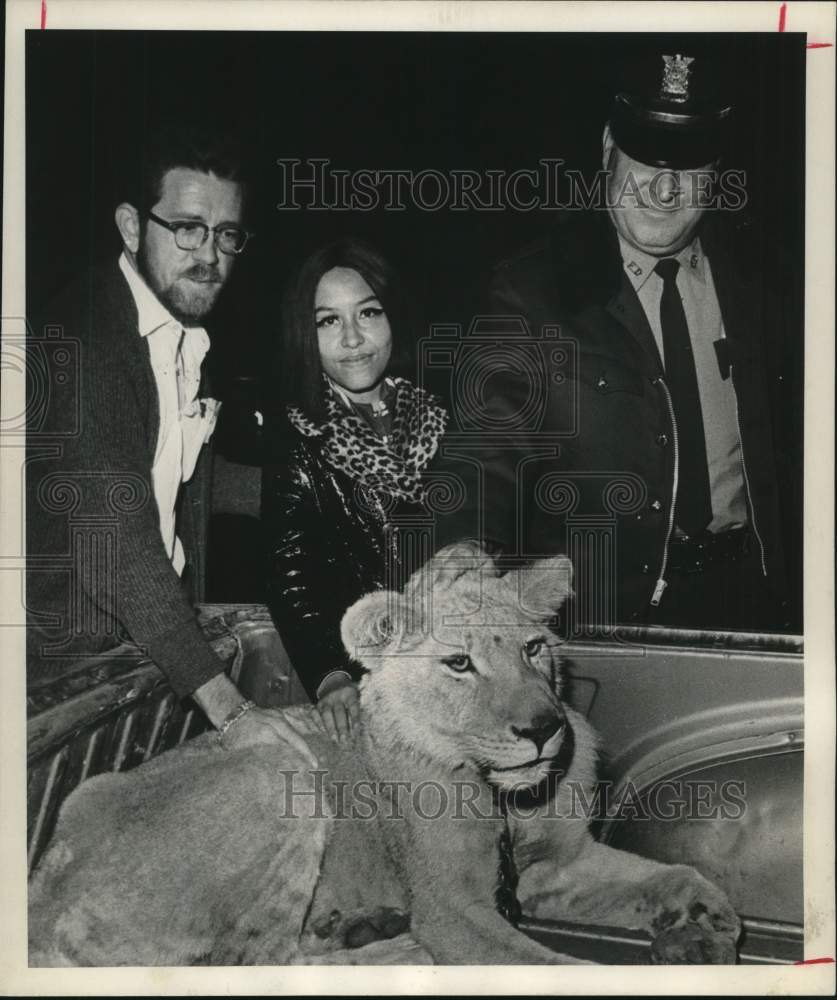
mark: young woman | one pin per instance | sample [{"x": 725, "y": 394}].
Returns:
[{"x": 345, "y": 462}]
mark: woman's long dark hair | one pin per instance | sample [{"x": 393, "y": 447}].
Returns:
[{"x": 301, "y": 372}]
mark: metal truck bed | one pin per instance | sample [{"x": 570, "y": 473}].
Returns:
[{"x": 711, "y": 720}]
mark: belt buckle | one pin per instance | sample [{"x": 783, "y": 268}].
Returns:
[
  {"x": 697, "y": 563},
  {"x": 694, "y": 555},
  {"x": 739, "y": 543},
  {"x": 701, "y": 551}
]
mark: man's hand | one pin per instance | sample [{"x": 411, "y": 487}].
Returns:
[
  {"x": 339, "y": 706},
  {"x": 219, "y": 697},
  {"x": 267, "y": 725}
]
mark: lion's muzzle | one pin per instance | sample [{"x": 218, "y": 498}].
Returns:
[
  {"x": 537, "y": 743},
  {"x": 544, "y": 730}
]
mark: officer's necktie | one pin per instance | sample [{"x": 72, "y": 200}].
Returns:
[{"x": 694, "y": 502}]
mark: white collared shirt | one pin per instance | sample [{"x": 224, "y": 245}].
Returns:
[
  {"x": 185, "y": 422},
  {"x": 717, "y": 394}
]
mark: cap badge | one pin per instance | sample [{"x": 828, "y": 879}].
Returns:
[{"x": 676, "y": 78}]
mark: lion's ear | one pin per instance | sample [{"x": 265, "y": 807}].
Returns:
[
  {"x": 546, "y": 584},
  {"x": 451, "y": 563},
  {"x": 370, "y": 625}
]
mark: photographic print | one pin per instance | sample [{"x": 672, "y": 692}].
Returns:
[{"x": 412, "y": 453}]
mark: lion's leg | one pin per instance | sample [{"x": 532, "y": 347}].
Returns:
[
  {"x": 401, "y": 950},
  {"x": 453, "y": 880},
  {"x": 275, "y": 896},
  {"x": 565, "y": 875},
  {"x": 606, "y": 886},
  {"x": 476, "y": 934},
  {"x": 186, "y": 860}
]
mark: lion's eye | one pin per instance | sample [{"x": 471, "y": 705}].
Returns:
[
  {"x": 460, "y": 664},
  {"x": 534, "y": 647}
]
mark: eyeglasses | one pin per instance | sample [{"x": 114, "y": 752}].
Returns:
[{"x": 192, "y": 235}]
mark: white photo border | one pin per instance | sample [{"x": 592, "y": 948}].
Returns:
[{"x": 818, "y": 20}]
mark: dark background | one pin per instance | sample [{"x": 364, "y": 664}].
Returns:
[{"x": 389, "y": 100}]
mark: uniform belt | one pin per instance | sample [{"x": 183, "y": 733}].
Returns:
[{"x": 693, "y": 553}]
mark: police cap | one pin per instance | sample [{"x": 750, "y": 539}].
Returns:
[{"x": 679, "y": 123}]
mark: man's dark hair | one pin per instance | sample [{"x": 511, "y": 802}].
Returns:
[
  {"x": 301, "y": 370},
  {"x": 192, "y": 146}
]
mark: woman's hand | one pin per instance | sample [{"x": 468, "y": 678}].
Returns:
[{"x": 339, "y": 706}]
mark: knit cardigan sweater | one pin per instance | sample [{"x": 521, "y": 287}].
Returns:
[{"x": 96, "y": 559}]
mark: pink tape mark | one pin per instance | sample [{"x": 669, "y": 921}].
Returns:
[
  {"x": 43, "y": 14},
  {"x": 783, "y": 11}
]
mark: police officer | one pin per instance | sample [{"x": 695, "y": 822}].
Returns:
[{"x": 652, "y": 463}]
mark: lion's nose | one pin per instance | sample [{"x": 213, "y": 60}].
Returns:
[{"x": 542, "y": 729}]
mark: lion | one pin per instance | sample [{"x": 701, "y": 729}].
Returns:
[{"x": 448, "y": 814}]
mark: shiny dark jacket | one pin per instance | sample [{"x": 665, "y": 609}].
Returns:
[
  {"x": 599, "y": 434},
  {"x": 327, "y": 546}
]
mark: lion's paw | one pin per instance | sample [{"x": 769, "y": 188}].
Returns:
[
  {"x": 360, "y": 929},
  {"x": 691, "y": 916},
  {"x": 400, "y": 950},
  {"x": 692, "y": 944}
]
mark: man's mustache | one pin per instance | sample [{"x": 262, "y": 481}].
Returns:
[{"x": 203, "y": 272}]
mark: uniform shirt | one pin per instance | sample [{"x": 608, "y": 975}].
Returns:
[
  {"x": 185, "y": 422},
  {"x": 717, "y": 395}
]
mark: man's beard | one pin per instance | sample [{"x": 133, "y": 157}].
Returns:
[{"x": 187, "y": 302}]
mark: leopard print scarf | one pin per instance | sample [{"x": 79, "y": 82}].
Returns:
[{"x": 350, "y": 445}]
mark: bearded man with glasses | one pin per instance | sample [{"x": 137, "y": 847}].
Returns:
[{"x": 138, "y": 458}]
